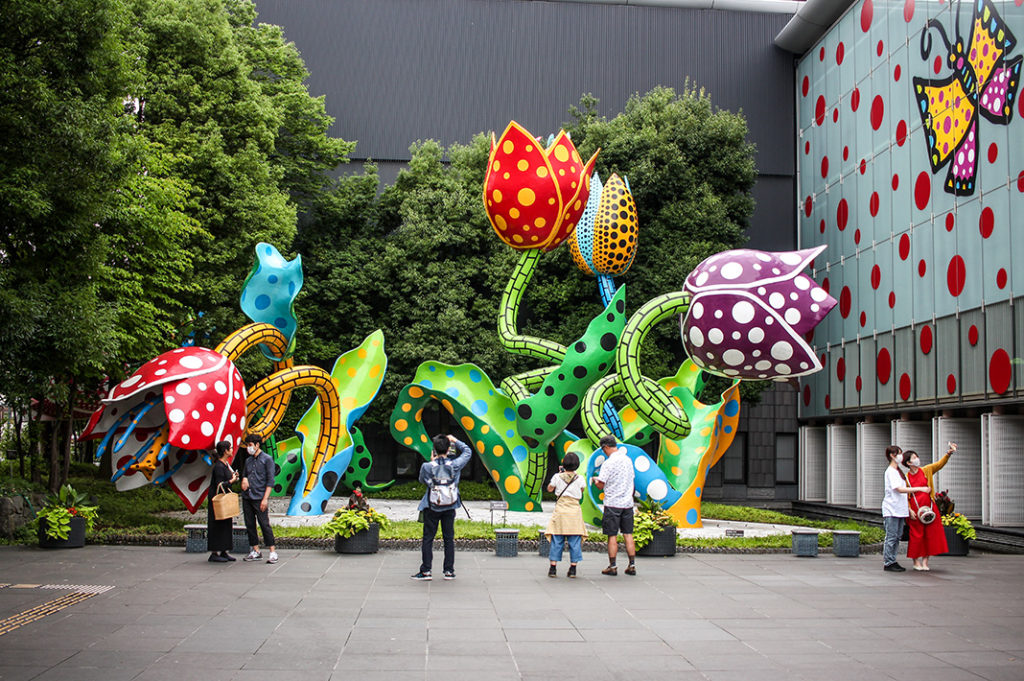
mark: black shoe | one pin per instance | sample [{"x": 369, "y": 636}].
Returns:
[
  {"x": 449, "y": 575},
  {"x": 228, "y": 556},
  {"x": 553, "y": 571},
  {"x": 572, "y": 572},
  {"x": 422, "y": 577},
  {"x": 631, "y": 570},
  {"x": 894, "y": 567},
  {"x": 214, "y": 558}
]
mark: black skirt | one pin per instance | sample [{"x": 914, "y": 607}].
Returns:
[{"x": 218, "y": 532}]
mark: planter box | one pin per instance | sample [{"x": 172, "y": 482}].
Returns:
[
  {"x": 506, "y": 543},
  {"x": 846, "y": 543},
  {"x": 958, "y": 546},
  {"x": 663, "y": 543},
  {"x": 364, "y": 541},
  {"x": 805, "y": 543},
  {"x": 75, "y": 540}
]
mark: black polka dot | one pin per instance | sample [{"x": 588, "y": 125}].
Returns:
[
  {"x": 611, "y": 317},
  {"x": 602, "y": 366},
  {"x": 524, "y": 411},
  {"x": 364, "y": 462},
  {"x": 550, "y": 418},
  {"x": 608, "y": 341},
  {"x": 580, "y": 347},
  {"x": 350, "y": 470},
  {"x": 360, "y": 449},
  {"x": 323, "y": 505},
  {"x": 620, "y": 306},
  {"x": 549, "y": 391},
  {"x": 560, "y": 376},
  {"x": 277, "y": 470},
  {"x": 305, "y": 506},
  {"x": 569, "y": 402},
  {"x": 277, "y": 488},
  {"x": 580, "y": 372},
  {"x": 292, "y": 458},
  {"x": 530, "y": 442},
  {"x": 329, "y": 480},
  {"x": 539, "y": 431}
]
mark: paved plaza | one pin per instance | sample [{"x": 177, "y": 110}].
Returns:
[{"x": 318, "y": 616}]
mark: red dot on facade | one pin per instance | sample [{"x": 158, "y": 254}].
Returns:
[
  {"x": 937, "y": 64},
  {"x": 949, "y": 222},
  {"x": 873, "y": 204},
  {"x": 908, "y": 10},
  {"x": 922, "y": 267},
  {"x": 879, "y": 48},
  {"x": 821, "y": 54},
  {"x": 956, "y": 275},
  {"x": 951, "y": 384},
  {"x": 826, "y": 284},
  {"x": 892, "y": 299},
  {"x": 895, "y": 182},
  {"x": 863, "y": 319},
  {"x": 824, "y": 166},
  {"x": 841, "y": 369},
  {"x": 821, "y": 226},
  {"x": 877, "y": 112},
  {"x": 876, "y": 277},
  {"x": 1001, "y": 278},
  {"x": 993, "y": 152},
  {"x": 896, "y": 73},
  {"x": 901, "y": 133},
  {"x": 828, "y": 402},
  {"x": 835, "y": 115},
  {"x": 807, "y": 395},
  {"x": 855, "y": 99},
  {"x": 807, "y": 147},
  {"x": 858, "y": 384},
  {"x": 1000, "y": 371},
  {"x": 840, "y": 50},
  {"x": 1020, "y": 177},
  {"x": 805, "y": 86},
  {"x": 808, "y": 204},
  {"x": 987, "y": 222},
  {"x": 819, "y": 110},
  {"x": 844, "y": 302},
  {"x": 846, "y": 155},
  {"x": 922, "y": 190},
  {"x": 905, "y": 387},
  {"x": 904, "y": 246},
  {"x": 866, "y": 10},
  {"x": 972, "y": 335},
  {"x": 883, "y": 366},
  {"x": 842, "y": 214},
  {"x": 856, "y": 236},
  {"x": 863, "y": 166},
  {"x": 926, "y": 339}
]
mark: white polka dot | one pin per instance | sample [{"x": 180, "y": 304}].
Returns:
[
  {"x": 762, "y": 365},
  {"x": 757, "y": 266},
  {"x": 162, "y": 362},
  {"x": 237, "y": 395},
  {"x": 206, "y": 428},
  {"x": 803, "y": 365},
  {"x": 768, "y": 321},
  {"x": 761, "y": 291},
  {"x": 169, "y": 399},
  {"x": 696, "y": 337},
  {"x": 776, "y": 300},
  {"x": 160, "y": 372},
  {"x": 642, "y": 463},
  {"x": 657, "y": 489},
  {"x": 220, "y": 387},
  {"x": 176, "y": 416},
  {"x": 209, "y": 406},
  {"x": 802, "y": 283},
  {"x": 185, "y": 439},
  {"x": 712, "y": 268},
  {"x": 233, "y": 418},
  {"x": 743, "y": 312},
  {"x": 756, "y": 334},
  {"x": 782, "y": 350},
  {"x": 732, "y": 270},
  {"x": 202, "y": 386},
  {"x": 701, "y": 279},
  {"x": 598, "y": 461},
  {"x": 776, "y": 270},
  {"x": 733, "y": 357},
  {"x": 731, "y": 372},
  {"x": 183, "y": 388},
  {"x": 755, "y": 353},
  {"x": 748, "y": 367},
  {"x": 195, "y": 413},
  {"x": 736, "y": 335},
  {"x": 718, "y": 314},
  {"x": 697, "y": 311},
  {"x": 129, "y": 382},
  {"x": 782, "y": 369},
  {"x": 716, "y": 336},
  {"x": 794, "y": 296},
  {"x": 179, "y": 350},
  {"x": 790, "y": 258},
  {"x": 792, "y": 316},
  {"x": 191, "y": 362},
  {"x": 815, "y": 307},
  {"x": 764, "y": 257}
]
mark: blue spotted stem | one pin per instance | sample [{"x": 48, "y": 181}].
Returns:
[{"x": 606, "y": 287}]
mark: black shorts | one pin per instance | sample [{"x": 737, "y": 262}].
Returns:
[{"x": 616, "y": 520}]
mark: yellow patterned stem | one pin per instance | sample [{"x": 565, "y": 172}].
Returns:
[
  {"x": 521, "y": 386},
  {"x": 245, "y": 339},
  {"x": 283, "y": 383},
  {"x": 648, "y": 398},
  {"x": 592, "y": 410}
]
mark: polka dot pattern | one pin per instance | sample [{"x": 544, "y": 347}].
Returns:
[
  {"x": 534, "y": 197},
  {"x": 612, "y": 234},
  {"x": 269, "y": 292}
]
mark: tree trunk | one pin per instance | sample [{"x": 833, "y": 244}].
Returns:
[
  {"x": 19, "y": 419},
  {"x": 68, "y": 426},
  {"x": 55, "y": 469}
]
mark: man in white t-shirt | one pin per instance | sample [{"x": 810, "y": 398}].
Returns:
[
  {"x": 616, "y": 479},
  {"x": 895, "y": 508}
]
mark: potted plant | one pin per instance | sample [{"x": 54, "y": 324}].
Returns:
[
  {"x": 64, "y": 519},
  {"x": 654, "y": 530},
  {"x": 959, "y": 530},
  {"x": 355, "y": 530}
]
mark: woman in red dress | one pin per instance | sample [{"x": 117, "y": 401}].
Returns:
[{"x": 925, "y": 540}]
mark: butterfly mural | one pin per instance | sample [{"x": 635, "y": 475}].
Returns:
[{"x": 983, "y": 81}]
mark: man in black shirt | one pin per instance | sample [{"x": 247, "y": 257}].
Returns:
[{"x": 257, "y": 481}]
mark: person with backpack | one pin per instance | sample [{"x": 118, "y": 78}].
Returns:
[{"x": 441, "y": 476}]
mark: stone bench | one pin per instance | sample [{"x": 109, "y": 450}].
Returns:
[{"x": 195, "y": 541}]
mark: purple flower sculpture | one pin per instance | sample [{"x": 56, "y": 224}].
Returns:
[{"x": 749, "y": 311}]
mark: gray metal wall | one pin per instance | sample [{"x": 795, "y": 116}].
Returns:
[{"x": 395, "y": 71}]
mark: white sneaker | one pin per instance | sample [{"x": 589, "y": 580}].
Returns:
[
  {"x": 253, "y": 555},
  {"x": 273, "y": 557}
]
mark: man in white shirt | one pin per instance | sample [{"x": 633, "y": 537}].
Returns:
[
  {"x": 895, "y": 508},
  {"x": 616, "y": 479}
]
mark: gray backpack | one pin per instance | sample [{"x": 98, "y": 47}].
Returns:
[{"x": 443, "y": 489}]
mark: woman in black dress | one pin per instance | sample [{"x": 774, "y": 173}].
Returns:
[{"x": 218, "y": 532}]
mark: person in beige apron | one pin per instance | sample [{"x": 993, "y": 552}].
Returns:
[{"x": 566, "y": 523}]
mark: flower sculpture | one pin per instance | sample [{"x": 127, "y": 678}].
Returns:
[
  {"x": 605, "y": 240},
  {"x": 534, "y": 196},
  {"x": 748, "y": 312}
]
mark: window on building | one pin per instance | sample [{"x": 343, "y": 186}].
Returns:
[
  {"x": 734, "y": 462},
  {"x": 785, "y": 458}
]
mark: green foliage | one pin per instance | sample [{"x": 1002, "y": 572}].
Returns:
[
  {"x": 61, "y": 507},
  {"x": 347, "y": 521},
  {"x": 468, "y": 490},
  {"x": 961, "y": 524},
  {"x": 135, "y": 509}
]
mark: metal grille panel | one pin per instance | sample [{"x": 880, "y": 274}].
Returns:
[
  {"x": 872, "y": 439},
  {"x": 962, "y": 475},
  {"x": 841, "y": 458},
  {"x": 813, "y": 477},
  {"x": 914, "y": 436},
  {"x": 1002, "y": 465}
]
